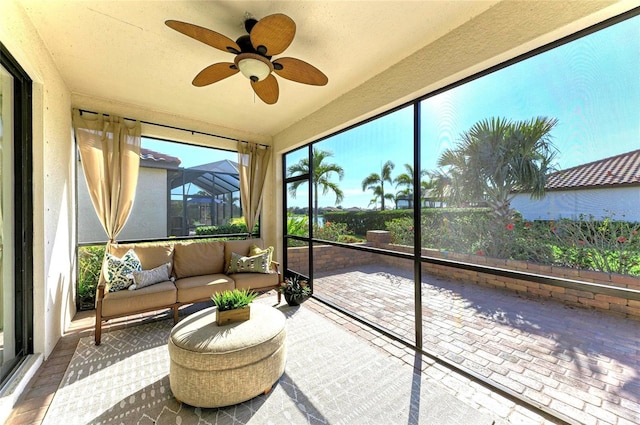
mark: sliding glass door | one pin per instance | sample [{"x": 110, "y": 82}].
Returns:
[
  {"x": 16, "y": 216},
  {"x": 7, "y": 319}
]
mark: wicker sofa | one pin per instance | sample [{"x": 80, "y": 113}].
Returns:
[{"x": 197, "y": 270}]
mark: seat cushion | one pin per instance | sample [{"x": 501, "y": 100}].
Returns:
[
  {"x": 150, "y": 298},
  {"x": 254, "y": 280},
  {"x": 198, "y": 288},
  {"x": 198, "y": 258}
]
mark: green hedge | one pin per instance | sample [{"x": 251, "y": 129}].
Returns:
[
  {"x": 361, "y": 221},
  {"x": 222, "y": 229}
]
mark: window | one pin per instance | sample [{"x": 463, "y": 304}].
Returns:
[{"x": 183, "y": 190}]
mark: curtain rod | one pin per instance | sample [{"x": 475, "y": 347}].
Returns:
[{"x": 176, "y": 128}]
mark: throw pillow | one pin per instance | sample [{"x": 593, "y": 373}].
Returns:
[
  {"x": 255, "y": 264},
  {"x": 256, "y": 250},
  {"x": 145, "y": 278},
  {"x": 120, "y": 270}
]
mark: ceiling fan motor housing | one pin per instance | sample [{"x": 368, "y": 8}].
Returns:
[{"x": 253, "y": 66}]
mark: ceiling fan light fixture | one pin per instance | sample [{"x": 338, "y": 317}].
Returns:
[{"x": 254, "y": 67}]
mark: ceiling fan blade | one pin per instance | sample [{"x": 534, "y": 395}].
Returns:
[
  {"x": 267, "y": 89},
  {"x": 205, "y": 36},
  {"x": 214, "y": 73},
  {"x": 299, "y": 71},
  {"x": 273, "y": 34}
]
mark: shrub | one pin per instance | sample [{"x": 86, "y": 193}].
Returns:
[
  {"x": 297, "y": 225},
  {"x": 473, "y": 231},
  {"x": 90, "y": 264},
  {"x": 605, "y": 245},
  {"x": 359, "y": 222},
  {"x": 336, "y": 232},
  {"x": 235, "y": 225}
]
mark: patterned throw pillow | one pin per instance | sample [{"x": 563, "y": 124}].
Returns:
[
  {"x": 150, "y": 277},
  {"x": 120, "y": 270},
  {"x": 256, "y": 250},
  {"x": 255, "y": 264}
]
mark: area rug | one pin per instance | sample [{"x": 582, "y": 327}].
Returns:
[{"x": 331, "y": 377}]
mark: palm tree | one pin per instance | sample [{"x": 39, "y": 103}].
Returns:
[
  {"x": 406, "y": 179},
  {"x": 322, "y": 174},
  {"x": 497, "y": 157},
  {"x": 375, "y": 182},
  {"x": 437, "y": 189}
]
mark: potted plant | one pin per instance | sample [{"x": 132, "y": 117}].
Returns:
[
  {"x": 233, "y": 306},
  {"x": 295, "y": 289}
]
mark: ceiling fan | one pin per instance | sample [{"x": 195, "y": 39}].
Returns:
[{"x": 266, "y": 38}]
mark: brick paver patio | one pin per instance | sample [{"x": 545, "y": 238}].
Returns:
[{"x": 580, "y": 364}]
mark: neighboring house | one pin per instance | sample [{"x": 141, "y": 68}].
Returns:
[
  {"x": 609, "y": 187},
  {"x": 149, "y": 215}
]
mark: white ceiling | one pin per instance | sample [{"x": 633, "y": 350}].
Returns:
[{"x": 121, "y": 51}]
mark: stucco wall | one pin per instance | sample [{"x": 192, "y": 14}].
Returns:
[
  {"x": 148, "y": 217},
  {"x": 620, "y": 203},
  {"x": 53, "y": 180}
]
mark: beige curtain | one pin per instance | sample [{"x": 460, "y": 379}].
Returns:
[
  {"x": 110, "y": 155},
  {"x": 253, "y": 161}
]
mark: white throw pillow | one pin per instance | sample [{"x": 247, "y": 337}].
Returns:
[{"x": 145, "y": 278}]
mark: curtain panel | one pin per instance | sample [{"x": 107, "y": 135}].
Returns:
[
  {"x": 253, "y": 161},
  {"x": 110, "y": 155}
]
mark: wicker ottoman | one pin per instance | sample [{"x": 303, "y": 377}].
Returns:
[{"x": 215, "y": 366}]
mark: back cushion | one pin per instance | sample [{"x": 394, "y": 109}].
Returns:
[
  {"x": 239, "y": 247},
  {"x": 151, "y": 255},
  {"x": 198, "y": 258}
]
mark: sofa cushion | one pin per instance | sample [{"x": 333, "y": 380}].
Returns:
[
  {"x": 200, "y": 288},
  {"x": 119, "y": 271},
  {"x": 144, "y": 278},
  {"x": 151, "y": 255},
  {"x": 254, "y": 280},
  {"x": 241, "y": 247},
  {"x": 198, "y": 258},
  {"x": 256, "y": 264},
  {"x": 152, "y": 297}
]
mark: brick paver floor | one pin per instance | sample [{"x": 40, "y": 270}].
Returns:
[
  {"x": 582, "y": 365},
  {"x": 577, "y": 363}
]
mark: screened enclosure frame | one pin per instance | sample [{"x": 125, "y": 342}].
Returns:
[{"x": 417, "y": 256}]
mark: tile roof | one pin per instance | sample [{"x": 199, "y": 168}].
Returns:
[
  {"x": 623, "y": 169},
  {"x": 148, "y": 154}
]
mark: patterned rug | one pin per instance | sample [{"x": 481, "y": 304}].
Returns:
[{"x": 331, "y": 377}]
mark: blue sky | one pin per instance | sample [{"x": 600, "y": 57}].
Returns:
[{"x": 592, "y": 86}]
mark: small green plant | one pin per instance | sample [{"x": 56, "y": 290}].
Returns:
[
  {"x": 296, "y": 286},
  {"x": 231, "y": 300}
]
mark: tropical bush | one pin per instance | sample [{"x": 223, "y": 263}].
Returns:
[
  {"x": 297, "y": 225},
  {"x": 605, "y": 245},
  {"x": 336, "y": 232},
  {"x": 90, "y": 263}
]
